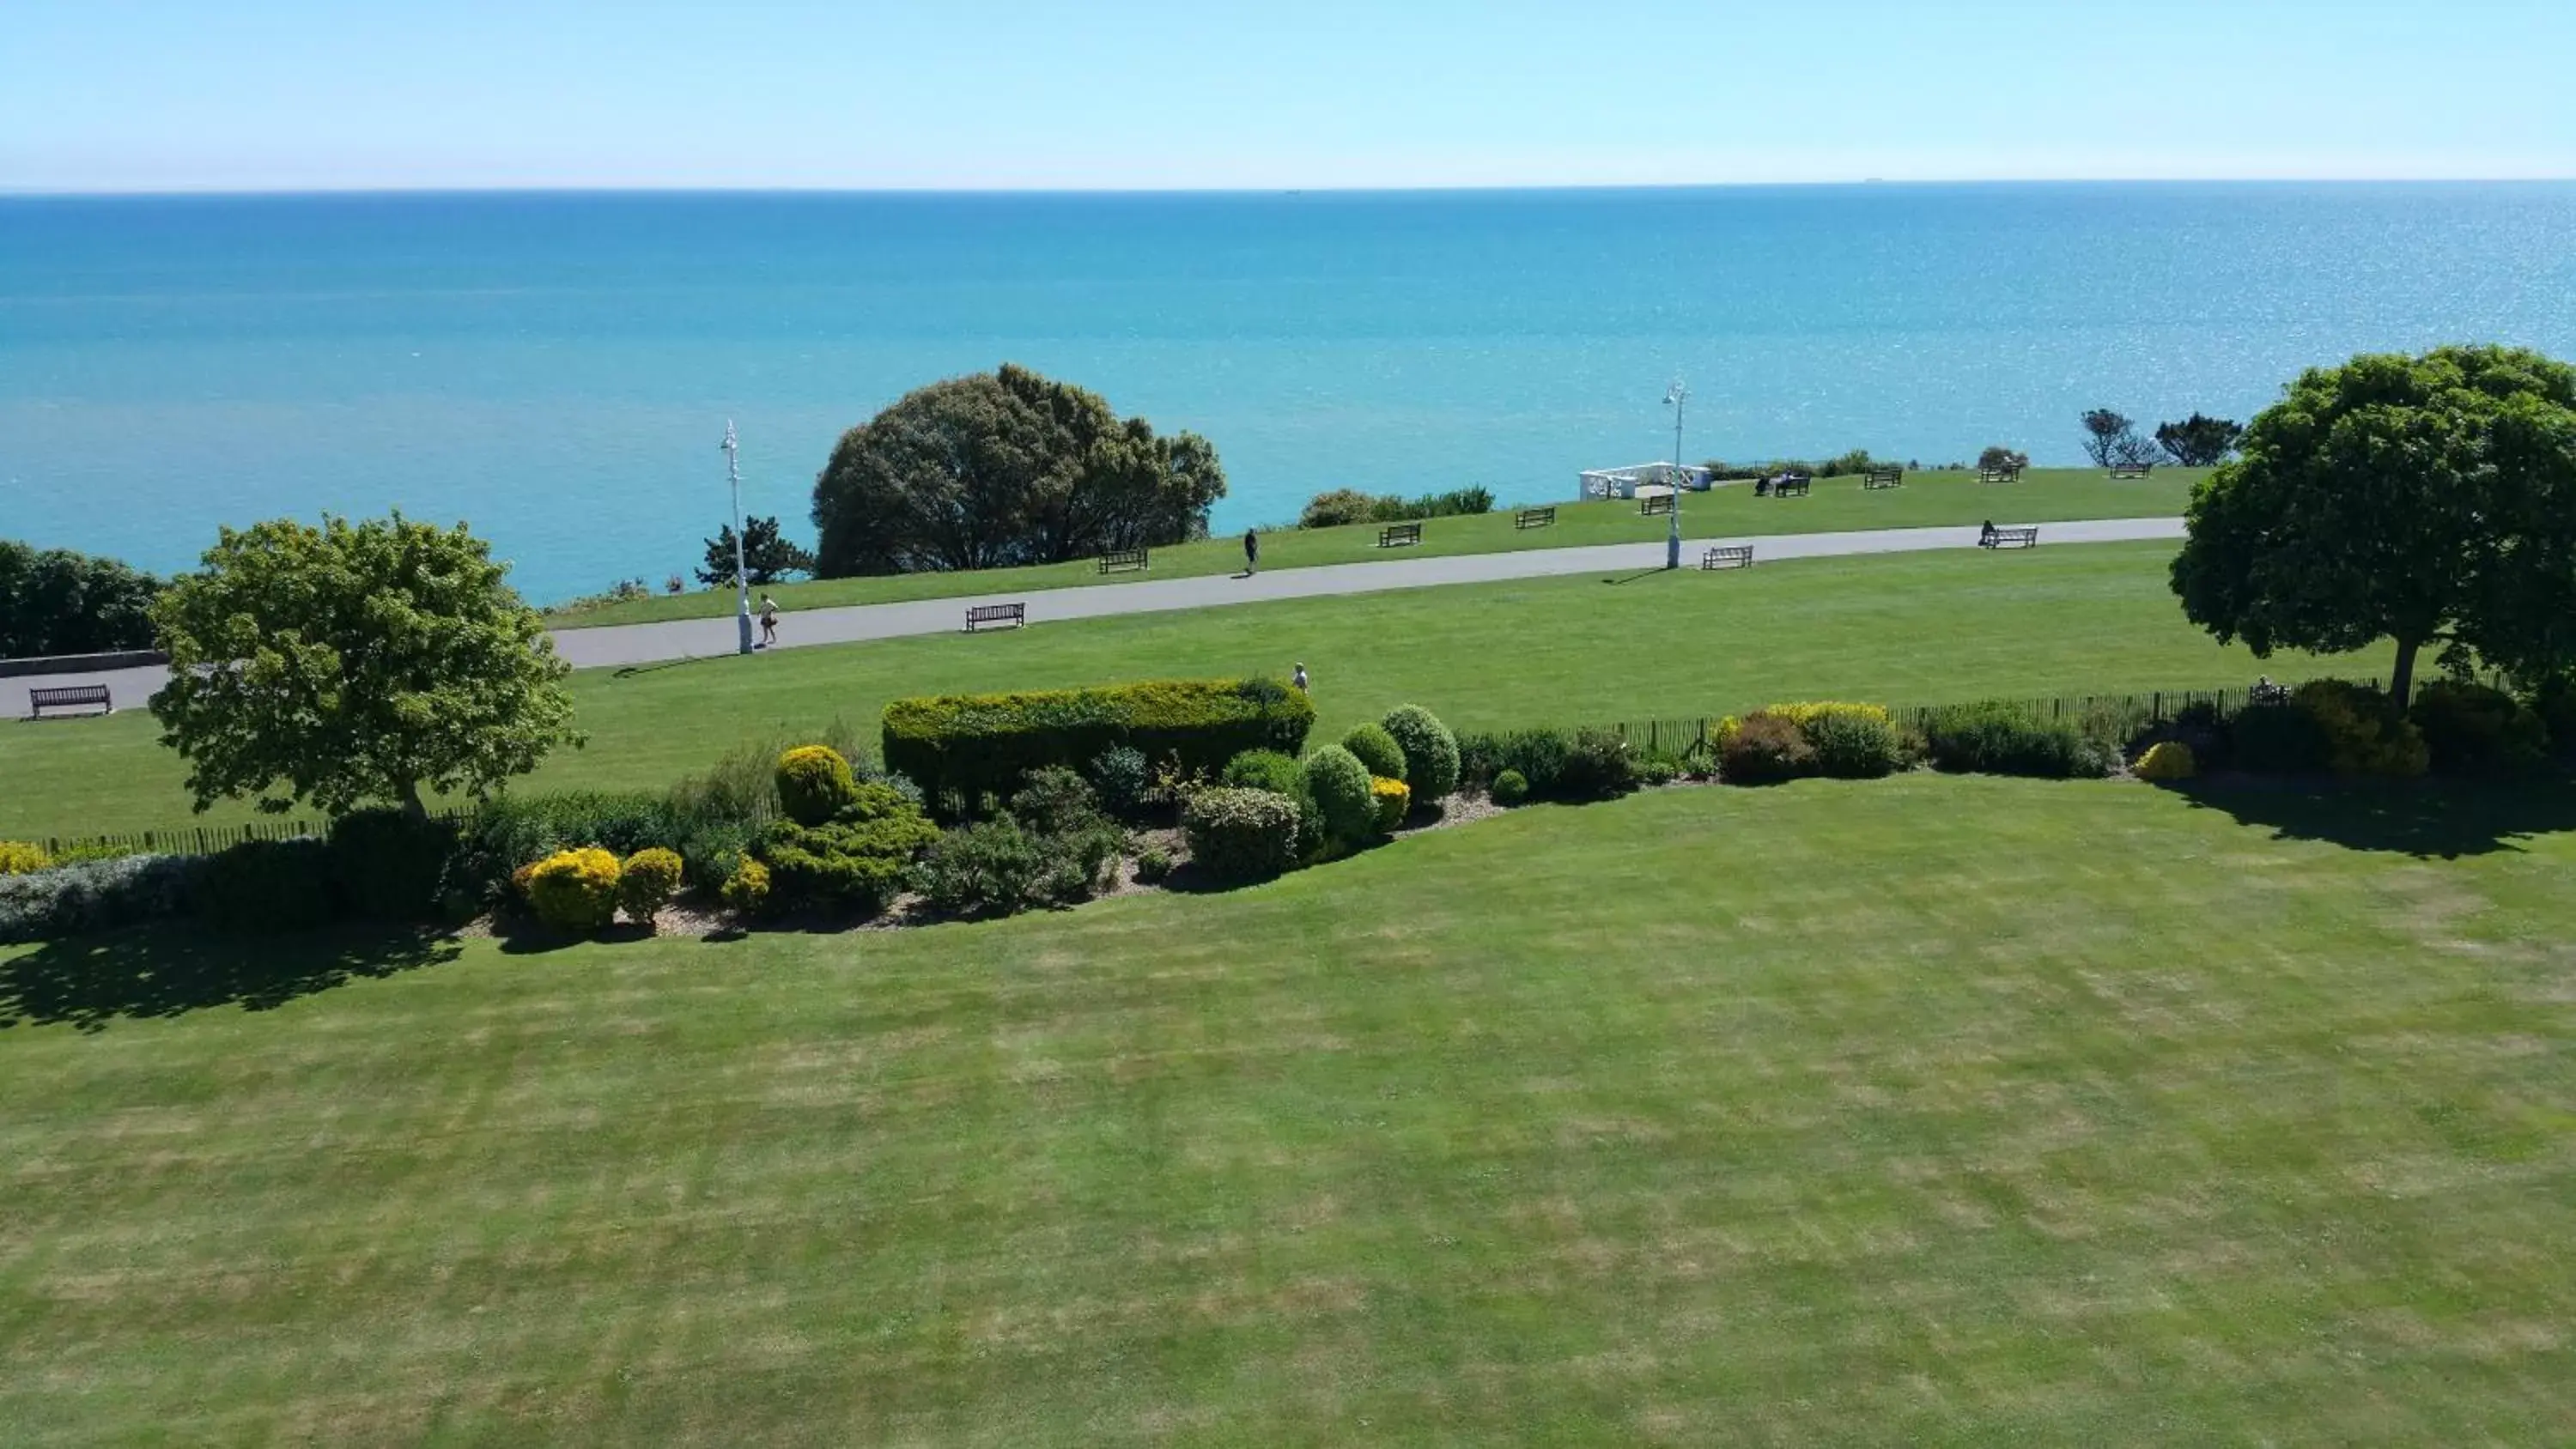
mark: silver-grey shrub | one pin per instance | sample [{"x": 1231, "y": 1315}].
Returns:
[{"x": 94, "y": 895}]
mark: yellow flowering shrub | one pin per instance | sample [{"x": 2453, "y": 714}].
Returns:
[
  {"x": 646, "y": 883},
  {"x": 1393, "y": 799},
  {"x": 575, "y": 890},
  {"x": 17, "y": 857},
  {"x": 1805, "y": 715},
  {"x": 2167, "y": 760},
  {"x": 746, "y": 891}
]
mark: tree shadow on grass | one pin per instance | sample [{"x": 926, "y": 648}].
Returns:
[
  {"x": 159, "y": 971},
  {"x": 2430, "y": 819}
]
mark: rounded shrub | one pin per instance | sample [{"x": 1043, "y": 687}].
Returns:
[
  {"x": 989, "y": 868},
  {"x": 2276, "y": 739},
  {"x": 746, "y": 891},
  {"x": 1237, "y": 836},
  {"x": 1431, "y": 763},
  {"x": 1153, "y": 865},
  {"x": 1339, "y": 785},
  {"x": 1124, "y": 779},
  {"x": 1598, "y": 765},
  {"x": 1657, "y": 770},
  {"x": 2471, "y": 729},
  {"x": 1763, "y": 749},
  {"x": 575, "y": 890},
  {"x": 1376, "y": 750},
  {"x": 266, "y": 886},
  {"x": 1264, "y": 770},
  {"x": 1539, "y": 756},
  {"x": 18, "y": 857},
  {"x": 2364, "y": 735},
  {"x": 2167, "y": 760},
  {"x": 1509, "y": 788},
  {"x": 815, "y": 784},
  {"x": 647, "y": 881},
  {"x": 1394, "y": 800},
  {"x": 1853, "y": 745}
]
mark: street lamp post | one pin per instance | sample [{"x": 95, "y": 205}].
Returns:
[
  {"x": 1674, "y": 397},
  {"x": 741, "y": 575}
]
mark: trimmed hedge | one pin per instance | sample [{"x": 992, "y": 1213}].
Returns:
[
  {"x": 968, "y": 746},
  {"x": 1997, "y": 738},
  {"x": 96, "y": 895}
]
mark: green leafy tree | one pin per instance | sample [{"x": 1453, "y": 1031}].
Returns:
[
  {"x": 1004, "y": 468},
  {"x": 2109, "y": 438},
  {"x": 55, "y": 601},
  {"x": 354, "y": 662},
  {"x": 2429, "y": 500},
  {"x": 767, "y": 555},
  {"x": 2198, "y": 441}
]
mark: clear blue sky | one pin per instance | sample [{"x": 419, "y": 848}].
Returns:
[{"x": 270, "y": 94}]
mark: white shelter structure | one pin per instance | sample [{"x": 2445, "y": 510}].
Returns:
[{"x": 1642, "y": 480}]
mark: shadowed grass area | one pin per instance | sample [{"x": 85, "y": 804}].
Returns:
[
  {"x": 1911, "y": 628},
  {"x": 1959, "y": 1111},
  {"x": 1837, "y": 504}
]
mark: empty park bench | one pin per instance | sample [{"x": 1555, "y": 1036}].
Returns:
[
  {"x": 1534, "y": 518},
  {"x": 1792, "y": 485},
  {"x": 979, "y": 616},
  {"x": 2010, "y": 538},
  {"x": 1883, "y": 478},
  {"x": 2132, "y": 470},
  {"x": 1738, "y": 556},
  {"x": 69, "y": 697},
  {"x": 2009, "y": 473},
  {"x": 1123, "y": 560},
  {"x": 1399, "y": 535},
  {"x": 1655, "y": 507}
]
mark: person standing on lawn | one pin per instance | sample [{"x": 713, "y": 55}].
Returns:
[
  {"x": 1251, "y": 553},
  {"x": 1299, "y": 678}
]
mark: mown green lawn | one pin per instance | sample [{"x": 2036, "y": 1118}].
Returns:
[
  {"x": 1836, "y": 505},
  {"x": 1911, "y": 628},
  {"x": 1929, "y": 1111}
]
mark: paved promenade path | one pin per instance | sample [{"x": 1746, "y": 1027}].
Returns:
[{"x": 694, "y": 638}]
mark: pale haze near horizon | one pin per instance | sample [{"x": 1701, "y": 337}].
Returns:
[{"x": 125, "y": 95}]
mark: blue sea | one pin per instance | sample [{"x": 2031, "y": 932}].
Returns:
[{"x": 558, "y": 369}]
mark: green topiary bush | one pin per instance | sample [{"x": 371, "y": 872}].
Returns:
[
  {"x": 1376, "y": 750},
  {"x": 575, "y": 890},
  {"x": 1598, "y": 765},
  {"x": 267, "y": 886},
  {"x": 1998, "y": 738},
  {"x": 1764, "y": 749},
  {"x": 815, "y": 784},
  {"x": 1264, "y": 770},
  {"x": 1339, "y": 785},
  {"x": 646, "y": 881},
  {"x": 389, "y": 865},
  {"x": 1509, "y": 788},
  {"x": 2364, "y": 735},
  {"x": 2471, "y": 729},
  {"x": 1856, "y": 746},
  {"x": 968, "y": 746},
  {"x": 1237, "y": 836},
  {"x": 1431, "y": 764},
  {"x": 1124, "y": 780}
]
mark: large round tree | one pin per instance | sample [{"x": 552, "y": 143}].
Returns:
[
  {"x": 1003, "y": 468},
  {"x": 2427, "y": 500},
  {"x": 354, "y": 662}
]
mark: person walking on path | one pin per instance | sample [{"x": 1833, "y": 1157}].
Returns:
[
  {"x": 768, "y": 621},
  {"x": 1299, "y": 678},
  {"x": 1251, "y": 553}
]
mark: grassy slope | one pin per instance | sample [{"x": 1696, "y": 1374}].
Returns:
[
  {"x": 1908, "y": 628},
  {"x": 1982, "y": 1112},
  {"x": 1837, "y": 504}
]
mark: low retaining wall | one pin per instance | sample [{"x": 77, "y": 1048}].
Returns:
[{"x": 82, "y": 663}]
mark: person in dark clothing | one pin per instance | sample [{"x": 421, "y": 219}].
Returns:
[
  {"x": 1251, "y": 553},
  {"x": 1986, "y": 535}
]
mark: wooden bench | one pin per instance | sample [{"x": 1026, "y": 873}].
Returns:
[
  {"x": 1124, "y": 560},
  {"x": 1399, "y": 535},
  {"x": 1655, "y": 507},
  {"x": 2132, "y": 470},
  {"x": 1534, "y": 518},
  {"x": 2010, "y": 538},
  {"x": 69, "y": 696},
  {"x": 1999, "y": 475},
  {"x": 1883, "y": 478},
  {"x": 981, "y": 615},
  {"x": 1739, "y": 556},
  {"x": 1792, "y": 485}
]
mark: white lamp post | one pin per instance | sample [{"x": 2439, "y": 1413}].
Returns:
[
  {"x": 741, "y": 575},
  {"x": 1674, "y": 397}
]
